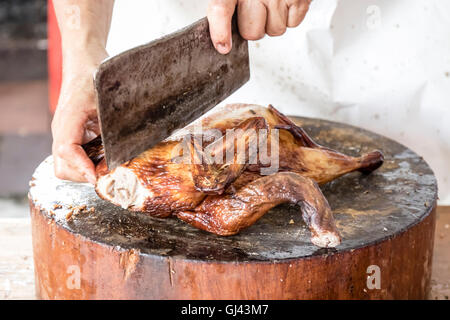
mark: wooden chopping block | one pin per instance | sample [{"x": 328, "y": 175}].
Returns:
[{"x": 86, "y": 248}]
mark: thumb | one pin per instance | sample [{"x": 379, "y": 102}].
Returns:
[{"x": 220, "y": 13}]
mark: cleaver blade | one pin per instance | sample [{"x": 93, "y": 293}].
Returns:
[{"x": 148, "y": 92}]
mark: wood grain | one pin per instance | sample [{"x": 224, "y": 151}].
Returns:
[
  {"x": 440, "y": 280},
  {"x": 16, "y": 259}
]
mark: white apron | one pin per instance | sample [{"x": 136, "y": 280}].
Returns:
[{"x": 383, "y": 65}]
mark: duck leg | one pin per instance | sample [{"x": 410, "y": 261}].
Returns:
[
  {"x": 228, "y": 214},
  {"x": 320, "y": 163}
]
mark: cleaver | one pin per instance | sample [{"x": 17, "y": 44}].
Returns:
[{"x": 148, "y": 92}]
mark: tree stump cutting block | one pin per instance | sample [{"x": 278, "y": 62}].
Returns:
[{"x": 86, "y": 248}]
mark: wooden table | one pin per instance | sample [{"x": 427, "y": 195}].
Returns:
[{"x": 16, "y": 259}]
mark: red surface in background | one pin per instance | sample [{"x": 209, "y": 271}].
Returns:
[{"x": 54, "y": 57}]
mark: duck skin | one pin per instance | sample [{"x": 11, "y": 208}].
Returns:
[{"x": 222, "y": 194}]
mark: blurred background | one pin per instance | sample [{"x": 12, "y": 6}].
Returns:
[{"x": 24, "y": 104}]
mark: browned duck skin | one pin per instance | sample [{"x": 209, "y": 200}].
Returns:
[
  {"x": 215, "y": 176},
  {"x": 317, "y": 162},
  {"x": 229, "y": 214}
]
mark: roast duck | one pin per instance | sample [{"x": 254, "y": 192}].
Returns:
[{"x": 224, "y": 197}]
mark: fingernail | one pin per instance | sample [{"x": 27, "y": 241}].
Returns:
[{"x": 222, "y": 48}]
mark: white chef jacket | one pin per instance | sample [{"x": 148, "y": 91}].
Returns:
[{"x": 383, "y": 65}]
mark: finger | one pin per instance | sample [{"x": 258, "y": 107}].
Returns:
[
  {"x": 297, "y": 13},
  {"x": 220, "y": 13},
  {"x": 277, "y": 15},
  {"x": 64, "y": 171},
  {"x": 252, "y": 16},
  {"x": 75, "y": 155}
]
